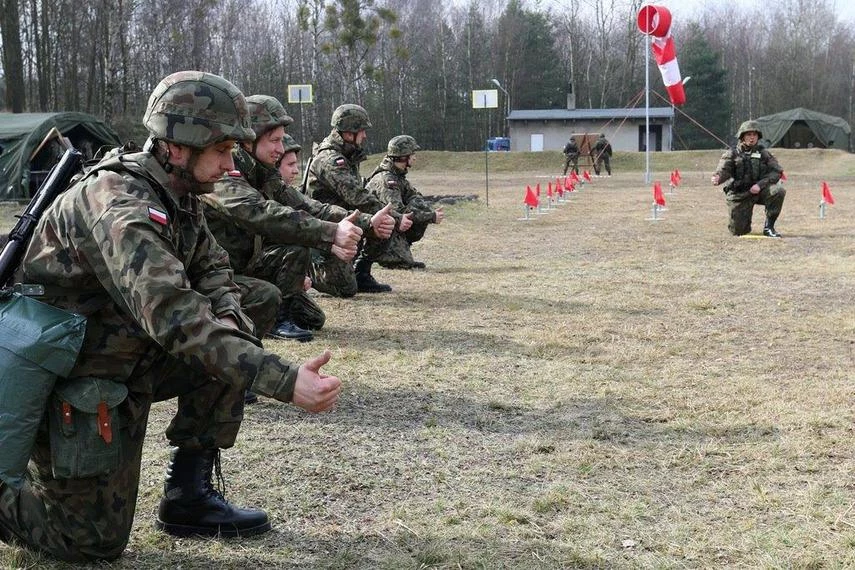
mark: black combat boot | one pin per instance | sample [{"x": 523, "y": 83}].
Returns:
[
  {"x": 365, "y": 282},
  {"x": 287, "y": 329},
  {"x": 769, "y": 229},
  {"x": 191, "y": 506}
]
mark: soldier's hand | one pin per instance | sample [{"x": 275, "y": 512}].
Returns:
[
  {"x": 307, "y": 283},
  {"x": 315, "y": 391},
  {"x": 439, "y": 215},
  {"x": 715, "y": 179},
  {"x": 383, "y": 223},
  {"x": 345, "y": 254},
  {"x": 348, "y": 234},
  {"x": 406, "y": 222},
  {"x": 754, "y": 189}
]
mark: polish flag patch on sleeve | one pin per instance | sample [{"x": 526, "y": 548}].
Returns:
[{"x": 156, "y": 215}]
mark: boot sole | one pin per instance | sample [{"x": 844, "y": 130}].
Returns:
[{"x": 224, "y": 531}]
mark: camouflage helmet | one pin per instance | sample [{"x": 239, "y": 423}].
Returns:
[
  {"x": 350, "y": 118},
  {"x": 290, "y": 144},
  {"x": 402, "y": 145},
  {"x": 747, "y": 127},
  {"x": 197, "y": 109},
  {"x": 266, "y": 113}
]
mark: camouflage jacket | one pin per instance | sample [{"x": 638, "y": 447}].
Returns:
[
  {"x": 293, "y": 198},
  {"x": 601, "y": 147},
  {"x": 389, "y": 183},
  {"x": 244, "y": 217},
  {"x": 571, "y": 149},
  {"x": 744, "y": 166},
  {"x": 138, "y": 261},
  {"x": 334, "y": 176}
]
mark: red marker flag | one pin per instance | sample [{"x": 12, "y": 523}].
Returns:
[
  {"x": 530, "y": 198},
  {"x": 679, "y": 176},
  {"x": 560, "y": 190},
  {"x": 658, "y": 196},
  {"x": 537, "y": 189},
  {"x": 574, "y": 177},
  {"x": 826, "y": 193},
  {"x": 549, "y": 190},
  {"x": 783, "y": 176},
  {"x": 674, "y": 180},
  {"x": 586, "y": 176},
  {"x": 567, "y": 183}
]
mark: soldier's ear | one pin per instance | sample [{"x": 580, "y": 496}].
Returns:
[{"x": 178, "y": 153}]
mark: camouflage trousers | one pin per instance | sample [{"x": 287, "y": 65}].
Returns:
[
  {"x": 741, "y": 206},
  {"x": 260, "y": 300},
  {"x": 571, "y": 160},
  {"x": 397, "y": 252},
  {"x": 287, "y": 266},
  {"x": 603, "y": 160},
  {"x": 335, "y": 277},
  {"x": 90, "y": 518}
]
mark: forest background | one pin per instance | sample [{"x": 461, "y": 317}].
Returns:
[{"x": 414, "y": 63}]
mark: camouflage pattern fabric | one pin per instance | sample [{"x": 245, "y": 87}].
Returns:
[
  {"x": 389, "y": 183},
  {"x": 741, "y": 168},
  {"x": 350, "y": 118},
  {"x": 266, "y": 113},
  {"x": 260, "y": 300},
  {"x": 332, "y": 276},
  {"x": 197, "y": 109},
  {"x": 334, "y": 176},
  {"x": 601, "y": 154},
  {"x": 244, "y": 219},
  {"x": 571, "y": 156},
  {"x": 293, "y": 198},
  {"x": 141, "y": 265},
  {"x": 304, "y": 312}
]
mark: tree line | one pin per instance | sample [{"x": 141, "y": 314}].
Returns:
[{"x": 414, "y": 63}]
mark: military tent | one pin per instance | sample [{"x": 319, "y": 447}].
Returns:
[
  {"x": 803, "y": 128},
  {"x": 28, "y": 147}
]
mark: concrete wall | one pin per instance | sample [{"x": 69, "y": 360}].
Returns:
[{"x": 623, "y": 136}]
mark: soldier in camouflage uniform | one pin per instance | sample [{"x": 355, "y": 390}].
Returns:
[
  {"x": 127, "y": 246},
  {"x": 269, "y": 240},
  {"x": 571, "y": 155},
  {"x": 389, "y": 183},
  {"x": 601, "y": 155},
  {"x": 751, "y": 176},
  {"x": 333, "y": 178}
]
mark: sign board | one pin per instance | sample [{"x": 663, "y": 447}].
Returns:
[
  {"x": 299, "y": 93},
  {"x": 485, "y": 99}
]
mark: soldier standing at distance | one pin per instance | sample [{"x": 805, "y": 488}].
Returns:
[
  {"x": 389, "y": 183},
  {"x": 752, "y": 177},
  {"x": 127, "y": 246},
  {"x": 601, "y": 154},
  {"x": 571, "y": 155},
  {"x": 333, "y": 178}
]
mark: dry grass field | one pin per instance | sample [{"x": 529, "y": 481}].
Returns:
[{"x": 586, "y": 389}]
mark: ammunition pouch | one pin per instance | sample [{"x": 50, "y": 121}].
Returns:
[
  {"x": 84, "y": 426},
  {"x": 38, "y": 344}
]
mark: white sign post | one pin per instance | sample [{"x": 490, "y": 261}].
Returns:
[
  {"x": 301, "y": 94},
  {"x": 486, "y": 99}
]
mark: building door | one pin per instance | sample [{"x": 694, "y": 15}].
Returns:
[
  {"x": 537, "y": 142},
  {"x": 655, "y": 138}
]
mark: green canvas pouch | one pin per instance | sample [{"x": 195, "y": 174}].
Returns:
[
  {"x": 84, "y": 426},
  {"x": 38, "y": 344}
]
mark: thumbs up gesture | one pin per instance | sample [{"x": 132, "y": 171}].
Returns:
[
  {"x": 383, "y": 223},
  {"x": 406, "y": 222},
  {"x": 439, "y": 215},
  {"x": 315, "y": 391},
  {"x": 347, "y": 236}
]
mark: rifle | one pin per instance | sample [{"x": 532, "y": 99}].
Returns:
[
  {"x": 305, "y": 183},
  {"x": 56, "y": 181}
]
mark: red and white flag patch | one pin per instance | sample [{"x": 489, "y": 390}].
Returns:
[{"x": 156, "y": 215}]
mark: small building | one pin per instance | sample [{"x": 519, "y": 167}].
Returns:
[{"x": 549, "y": 129}]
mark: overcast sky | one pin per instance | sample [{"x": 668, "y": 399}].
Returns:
[{"x": 845, "y": 9}]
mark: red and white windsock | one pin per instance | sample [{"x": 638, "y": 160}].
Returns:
[{"x": 655, "y": 21}]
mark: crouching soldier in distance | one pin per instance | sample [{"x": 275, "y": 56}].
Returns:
[
  {"x": 127, "y": 246},
  {"x": 333, "y": 178},
  {"x": 752, "y": 176},
  {"x": 269, "y": 240},
  {"x": 389, "y": 183}
]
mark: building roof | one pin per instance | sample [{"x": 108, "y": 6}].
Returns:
[{"x": 588, "y": 114}]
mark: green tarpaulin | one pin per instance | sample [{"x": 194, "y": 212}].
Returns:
[
  {"x": 803, "y": 128},
  {"x": 21, "y": 134}
]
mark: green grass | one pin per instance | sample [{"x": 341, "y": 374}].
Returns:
[{"x": 587, "y": 389}]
